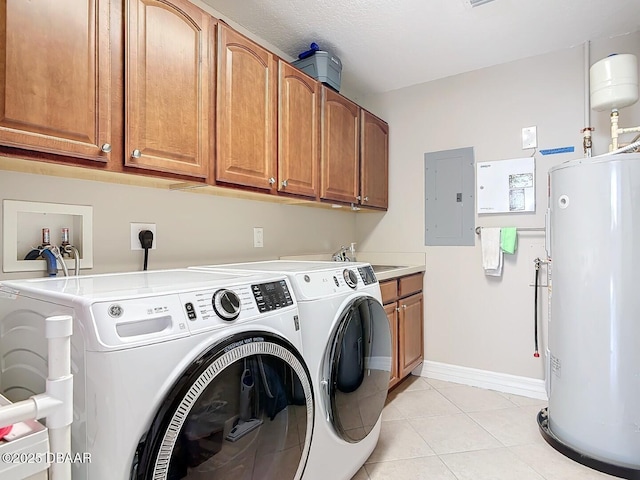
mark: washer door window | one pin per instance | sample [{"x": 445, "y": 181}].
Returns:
[
  {"x": 244, "y": 410},
  {"x": 357, "y": 368}
]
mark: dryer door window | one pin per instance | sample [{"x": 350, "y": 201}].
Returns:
[
  {"x": 357, "y": 367},
  {"x": 244, "y": 410}
]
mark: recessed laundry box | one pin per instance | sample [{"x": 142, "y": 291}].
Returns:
[{"x": 324, "y": 67}]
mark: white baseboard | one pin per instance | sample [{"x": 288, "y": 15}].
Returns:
[{"x": 502, "y": 382}]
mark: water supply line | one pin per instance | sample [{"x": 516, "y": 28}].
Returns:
[
  {"x": 537, "y": 262},
  {"x": 56, "y": 404},
  {"x": 586, "y": 131},
  {"x": 67, "y": 249},
  {"x": 73, "y": 251},
  {"x": 626, "y": 148},
  {"x": 616, "y": 131},
  {"x": 53, "y": 254},
  {"x": 50, "y": 258},
  {"x": 587, "y": 144},
  {"x": 58, "y": 255}
]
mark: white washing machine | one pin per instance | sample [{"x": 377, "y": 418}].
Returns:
[
  {"x": 346, "y": 343},
  {"x": 178, "y": 374}
]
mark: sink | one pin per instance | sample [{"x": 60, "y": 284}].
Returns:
[{"x": 384, "y": 268}]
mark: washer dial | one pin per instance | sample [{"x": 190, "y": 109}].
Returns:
[
  {"x": 350, "y": 277},
  {"x": 226, "y": 304}
]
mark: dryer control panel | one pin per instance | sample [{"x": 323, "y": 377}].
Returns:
[
  {"x": 367, "y": 274},
  {"x": 271, "y": 296}
]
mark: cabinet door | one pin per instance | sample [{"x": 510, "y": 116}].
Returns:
[
  {"x": 411, "y": 334},
  {"x": 340, "y": 149},
  {"x": 55, "y": 78},
  {"x": 298, "y": 132},
  {"x": 169, "y": 87},
  {"x": 374, "y": 161},
  {"x": 246, "y": 122},
  {"x": 392, "y": 314}
]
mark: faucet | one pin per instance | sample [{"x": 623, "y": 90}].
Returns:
[{"x": 341, "y": 255}]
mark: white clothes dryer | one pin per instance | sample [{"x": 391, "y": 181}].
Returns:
[
  {"x": 178, "y": 374},
  {"x": 346, "y": 343}
]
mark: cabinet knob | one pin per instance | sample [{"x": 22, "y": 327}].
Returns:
[
  {"x": 358, "y": 198},
  {"x": 106, "y": 147},
  {"x": 136, "y": 153},
  {"x": 365, "y": 199},
  {"x": 404, "y": 307},
  {"x": 397, "y": 309},
  {"x": 272, "y": 181},
  {"x": 285, "y": 183}
]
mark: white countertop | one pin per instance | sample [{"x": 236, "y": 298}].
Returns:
[{"x": 400, "y": 271}]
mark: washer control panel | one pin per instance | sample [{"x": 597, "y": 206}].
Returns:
[{"x": 271, "y": 296}]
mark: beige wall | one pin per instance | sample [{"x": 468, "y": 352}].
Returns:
[
  {"x": 192, "y": 228},
  {"x": 473, "y": 320}
]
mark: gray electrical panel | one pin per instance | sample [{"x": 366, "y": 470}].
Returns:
[{"x": 449, "y": 197}]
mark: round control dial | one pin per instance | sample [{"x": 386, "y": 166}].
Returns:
[
  {"x": 226, "y": 304},
  {"x": 350, "y": 277}
]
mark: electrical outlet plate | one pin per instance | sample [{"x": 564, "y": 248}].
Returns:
[
  {"x": 529, "y": 138},
  {"x": 136, "y": 228},
  {"x": 258, "y": 237}
]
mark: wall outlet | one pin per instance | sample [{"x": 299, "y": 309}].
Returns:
[
  {"x": 258, "y": 237},
  {"x": 136, "y": 228}
]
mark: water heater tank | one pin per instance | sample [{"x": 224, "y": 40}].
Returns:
[
  {"x": 594, "y": 322},
  {"x": 614, "y": 82}
]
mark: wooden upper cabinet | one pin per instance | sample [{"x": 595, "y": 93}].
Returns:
[
  {"x": 55, "y": 78},
  {"x": 340, "y": 148},
  {"x": 298, "y": 132},
  {"x": 169, "y": 87},
  {"x": 246, "y": 112},
  {"x": 374, "y": 161}
]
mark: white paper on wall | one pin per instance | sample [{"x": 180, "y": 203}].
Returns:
[{"x": 506, "y": 186}]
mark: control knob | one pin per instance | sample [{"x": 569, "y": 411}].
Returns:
[
  {"x": 350, "y": 277},
  {"x": 226, "y": 304}
]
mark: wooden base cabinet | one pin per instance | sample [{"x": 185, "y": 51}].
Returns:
[
  {"x": 404, "y": 303},
  {"x": 410, "y": 334}
]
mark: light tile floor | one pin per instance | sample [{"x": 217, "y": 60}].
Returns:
[{"x": 437, "y": 430}]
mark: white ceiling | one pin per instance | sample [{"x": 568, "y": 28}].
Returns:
[{"x": 389, "y": 44}]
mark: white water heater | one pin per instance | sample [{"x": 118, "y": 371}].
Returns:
[{"x": 594, "y": 324}]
